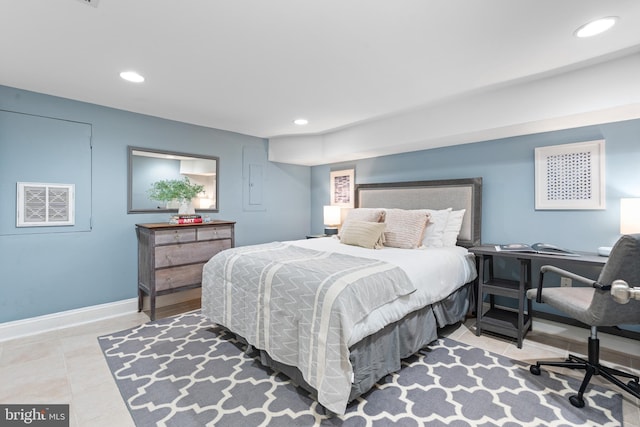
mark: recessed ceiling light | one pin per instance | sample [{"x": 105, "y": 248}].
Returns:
[
  {"x": 301, "y": 122},
  {"x": 596, "y": 27},
  {"x": 132, "y": 76}
]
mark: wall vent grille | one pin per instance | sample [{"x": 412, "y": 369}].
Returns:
[{"x": 41, "y": 204}]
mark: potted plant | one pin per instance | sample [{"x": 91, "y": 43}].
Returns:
[{"x": 180, "y": 190}]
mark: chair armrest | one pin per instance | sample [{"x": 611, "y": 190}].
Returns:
[{"x": 568, "y": 274}]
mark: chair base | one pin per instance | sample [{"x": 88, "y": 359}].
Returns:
[{"x": 592, "y": 368}]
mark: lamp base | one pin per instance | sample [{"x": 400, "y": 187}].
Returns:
[{"x": 330, "y": 231}]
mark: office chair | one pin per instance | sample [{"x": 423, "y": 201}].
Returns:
[{"x": 596, "y": 306}]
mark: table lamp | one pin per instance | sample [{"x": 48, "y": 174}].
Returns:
[
  {"x": 630, "y": 216},
  {"x": 629, "y": 224},
  {"x": 629, "y": 220},
  {"x": 331, "y": 219}
]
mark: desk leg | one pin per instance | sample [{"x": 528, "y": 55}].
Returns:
[
  {"x": 480, "y": 261},
  {"x": 525, "y": 284}
]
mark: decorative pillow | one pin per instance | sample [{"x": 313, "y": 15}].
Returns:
[
  {"x": 366, "y": 214},
  {"x": 434, "y": 232},
  {"x": 363, "y": 233},
  {"x": 451, "y": 231},
  {"x": 405, "y": 228},
  {"x": 363, "y": 214}
]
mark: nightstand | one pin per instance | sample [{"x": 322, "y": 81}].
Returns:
[{"x": 315, "y": 236}]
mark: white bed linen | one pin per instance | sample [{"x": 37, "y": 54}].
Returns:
[{"x": 435, "y": 272}]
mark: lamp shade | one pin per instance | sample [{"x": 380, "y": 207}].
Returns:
[
  {"x": 331, "y": 215},
  {"x": 630, "y": 216}
]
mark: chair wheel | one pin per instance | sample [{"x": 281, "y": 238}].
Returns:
[
  {"x": 534, "y": 369},
  {"x": 634, "y": 386},
  {"x": 576, "y": 401}
]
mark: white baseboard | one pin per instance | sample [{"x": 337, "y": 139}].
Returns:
[{"x": 65, "y": 319}]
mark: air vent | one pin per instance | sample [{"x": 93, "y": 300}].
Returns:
[
  {"x": 93, "y": 3},
  {"x": 41, "y": 204}
]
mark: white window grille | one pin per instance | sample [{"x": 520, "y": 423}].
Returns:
[{"x": 42, "y": 204}]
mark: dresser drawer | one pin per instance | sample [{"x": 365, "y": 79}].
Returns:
[
  {"x": 165, "y": 237},
  {"x": 176, "y": 277},
  {"x": 189, "y": 253},
  {"x": 211, "y": 233}
]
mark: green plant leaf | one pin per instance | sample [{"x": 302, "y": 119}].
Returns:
[{"x": 174, "y": 189}]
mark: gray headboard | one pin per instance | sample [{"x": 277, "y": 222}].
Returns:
[{"x": 440, "y": 194}]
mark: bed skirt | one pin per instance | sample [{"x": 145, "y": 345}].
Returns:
[{"x": 381, "y": 353}]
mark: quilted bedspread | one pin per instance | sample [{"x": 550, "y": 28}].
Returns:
[{"x": 300, "y": 305}]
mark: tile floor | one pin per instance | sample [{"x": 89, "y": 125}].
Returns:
[{"x": 67, "y": 366}]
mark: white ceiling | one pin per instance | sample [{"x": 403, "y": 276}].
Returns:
[{"x": 253, "y": 66}]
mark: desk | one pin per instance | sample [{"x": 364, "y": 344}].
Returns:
[{"x": 514, "y": 324}]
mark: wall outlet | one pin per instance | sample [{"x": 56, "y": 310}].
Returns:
[{"x": 565, "y": 282}]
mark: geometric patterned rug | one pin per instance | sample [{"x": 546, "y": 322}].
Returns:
[{"x": 185, "y": 371}]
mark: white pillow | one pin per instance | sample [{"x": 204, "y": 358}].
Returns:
[
  {"x": 434, "y": 232},
  {"x": 405, "y": 228},
  {"x": 451, "y": 231}
]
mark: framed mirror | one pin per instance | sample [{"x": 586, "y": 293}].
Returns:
[{"x": 148, "y": 166}]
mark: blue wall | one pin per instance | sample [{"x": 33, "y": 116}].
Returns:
[
  {"x": 507, "y": 169},
  {"x": 49, "y": 272}
]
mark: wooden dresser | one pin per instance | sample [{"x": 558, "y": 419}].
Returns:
[{"x": 171, "y": 256}]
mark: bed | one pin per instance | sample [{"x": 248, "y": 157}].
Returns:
[{"x": 337, "y": 317}]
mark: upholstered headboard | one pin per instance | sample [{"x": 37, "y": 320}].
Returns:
[{"x": 440, "y": 194}]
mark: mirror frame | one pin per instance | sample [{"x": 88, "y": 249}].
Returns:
[{"x": 131, "y": 209}]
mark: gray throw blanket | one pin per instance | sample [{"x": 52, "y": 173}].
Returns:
[{"x": 300, "y": 305}]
